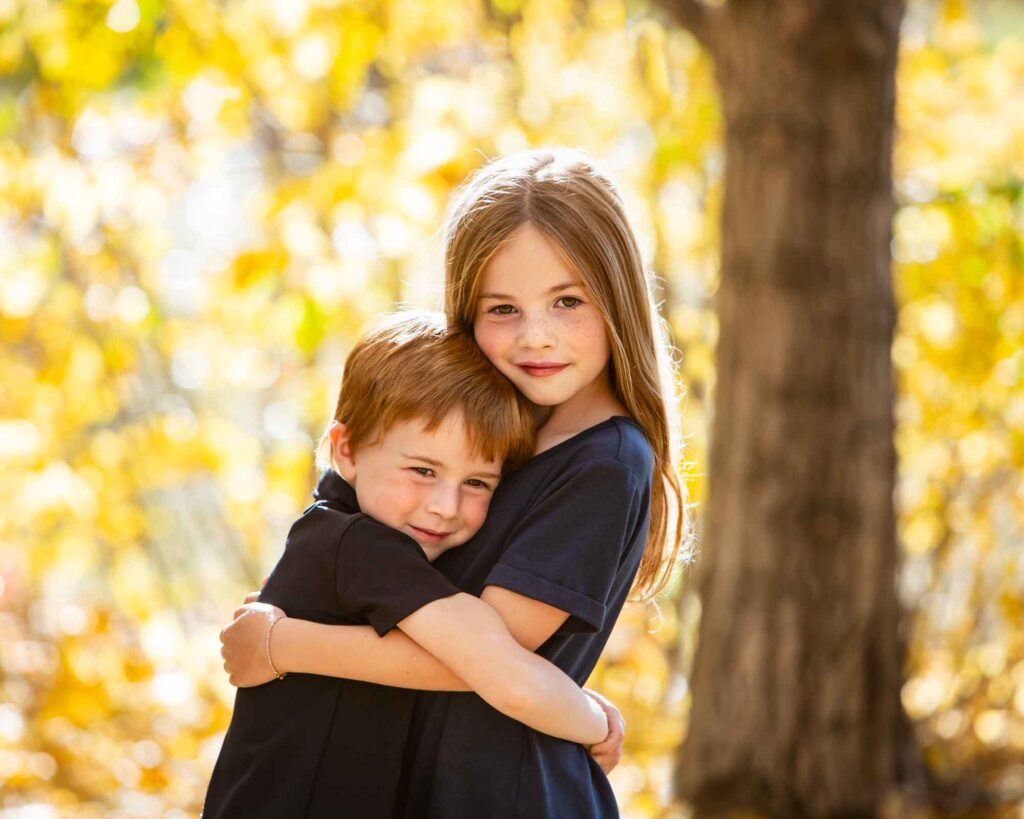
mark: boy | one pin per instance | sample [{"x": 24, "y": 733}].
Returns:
[{"x": 423, "y": 429}]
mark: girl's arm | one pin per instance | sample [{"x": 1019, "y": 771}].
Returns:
[
  {"x": 305, "y": 647},
  {"x": 357, "y": 653},
  {"x": 531, "y": 621},
  {"x": 460, "y": 631}
]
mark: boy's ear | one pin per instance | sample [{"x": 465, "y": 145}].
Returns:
[{"x": 341, "y": 449}]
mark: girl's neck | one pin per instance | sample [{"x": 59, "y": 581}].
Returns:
[{"x": 590, "y": 406}]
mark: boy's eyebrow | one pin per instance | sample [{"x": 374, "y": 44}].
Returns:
[
  {"x": 554, "y": 289},
  {"x": 434, "y": 462}
]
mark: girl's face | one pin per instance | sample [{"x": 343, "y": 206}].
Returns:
[{"x": 537, "y": 324}]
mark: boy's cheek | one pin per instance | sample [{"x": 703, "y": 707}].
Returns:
[
  {"x": 477, "y": 514},
  {"x": 393, "y": 501}
]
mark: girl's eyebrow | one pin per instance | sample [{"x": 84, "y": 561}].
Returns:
[{"x": 555, "y": 289}]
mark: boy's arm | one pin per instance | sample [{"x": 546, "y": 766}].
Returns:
[
  {"x": 357, "y": 653},
  {"x": 460, "y": 632},
  {"x": 470, "y": 637}
]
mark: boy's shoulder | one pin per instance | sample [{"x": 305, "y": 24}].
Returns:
[
  {"x": 351, "y": 529},
  {"x": 326, "y": 518}
]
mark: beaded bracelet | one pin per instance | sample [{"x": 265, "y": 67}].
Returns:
[{"x": 269, "y": 659}]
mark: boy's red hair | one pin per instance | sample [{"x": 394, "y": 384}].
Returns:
[{"x": 415, "y": 367}]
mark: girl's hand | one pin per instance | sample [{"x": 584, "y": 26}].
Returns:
[
  {"x": 608, "y": 752},
  {"x": 244, "y": 644}
]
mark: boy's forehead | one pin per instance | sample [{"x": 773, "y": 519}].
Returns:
[{"x": 447, "y": 444}]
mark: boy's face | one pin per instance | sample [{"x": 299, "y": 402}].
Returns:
[{"x": 428, "y": 484}]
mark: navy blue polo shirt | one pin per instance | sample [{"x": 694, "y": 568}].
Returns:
[
  {"x": 569, "y": 529},
  {"x": 311, "y": 746}
]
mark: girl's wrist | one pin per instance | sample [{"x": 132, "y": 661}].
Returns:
[{"x": 277, "y": 646}]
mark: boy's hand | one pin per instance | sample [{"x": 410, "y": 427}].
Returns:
[
  {"x": 244, "y": 644},
  {"x": 608, "y": 752}
]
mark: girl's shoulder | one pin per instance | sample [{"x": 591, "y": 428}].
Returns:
[
  {"x": 617, "y": 443},
  {"x": 619, "y": 439},
  {"x": 634, "y": 449}
]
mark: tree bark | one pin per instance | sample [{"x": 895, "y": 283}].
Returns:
[{"x": 795, "y": 687}]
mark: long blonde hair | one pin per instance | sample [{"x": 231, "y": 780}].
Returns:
[{"x": 562, "y": 193}]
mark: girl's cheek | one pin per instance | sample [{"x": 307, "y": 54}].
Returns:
[
  {"x": 589, "y": 334},
  {"x": 580, "y": 323},
  {"x": 490, "y": 338}
]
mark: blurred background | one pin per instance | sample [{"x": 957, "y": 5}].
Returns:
[{"x": 203, "y": 203}]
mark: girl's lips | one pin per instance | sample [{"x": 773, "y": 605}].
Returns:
[{"x": 540, "y": 370}]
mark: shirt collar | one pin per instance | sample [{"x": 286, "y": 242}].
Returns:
[{"x": 335, "y": 488}]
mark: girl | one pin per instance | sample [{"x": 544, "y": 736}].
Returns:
[
  {"x": 543, "y": 269},
  {"x": 424, "y": 428}
]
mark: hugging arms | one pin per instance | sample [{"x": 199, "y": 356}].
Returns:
[{"x": 489, "y": 641}]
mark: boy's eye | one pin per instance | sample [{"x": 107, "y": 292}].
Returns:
[
  {"x": 572, "y": 302},
  {"x": 502, "y": 310},
  {"x": 426, "y": 472},
  {"x": 476, "y": 483}
]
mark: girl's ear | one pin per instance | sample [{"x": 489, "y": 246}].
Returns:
[{"x": 341, "y": 449}]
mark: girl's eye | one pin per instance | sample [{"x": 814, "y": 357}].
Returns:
[
  {"x": 572, "y": 302},
  {"x": 426, "y": 472},
  {"x": 502, "y": 310}
]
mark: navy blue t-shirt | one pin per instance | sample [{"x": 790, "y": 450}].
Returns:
[
  {"x": 312, "y": 746},
  {"x": 568, "y": 529}
]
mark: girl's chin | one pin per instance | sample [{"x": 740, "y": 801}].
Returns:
[
  {"x": 544, "y": 398},
  {"x": 542, "y": 392}
]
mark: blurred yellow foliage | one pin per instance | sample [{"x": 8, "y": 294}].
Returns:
[{"x": 204, "y": 203}]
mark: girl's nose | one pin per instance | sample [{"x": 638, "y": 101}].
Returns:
[{"x": 535, "y": 332}]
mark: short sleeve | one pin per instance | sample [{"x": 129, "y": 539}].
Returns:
[
  {"x": 384, "y": 576},
  {"x": 568, "y": 548}
]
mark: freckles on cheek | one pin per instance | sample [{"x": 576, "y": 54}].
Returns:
[{"x": 588, "y": 331}]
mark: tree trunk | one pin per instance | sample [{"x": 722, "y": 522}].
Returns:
[{"x": 795, "y": 686}]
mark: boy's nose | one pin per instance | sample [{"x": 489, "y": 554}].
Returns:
[{"x": 444, "y": 501}]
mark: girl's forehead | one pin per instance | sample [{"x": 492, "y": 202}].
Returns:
[
  {"x": 528, "y": 264},
  {"x": 528, "y": 281}
]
